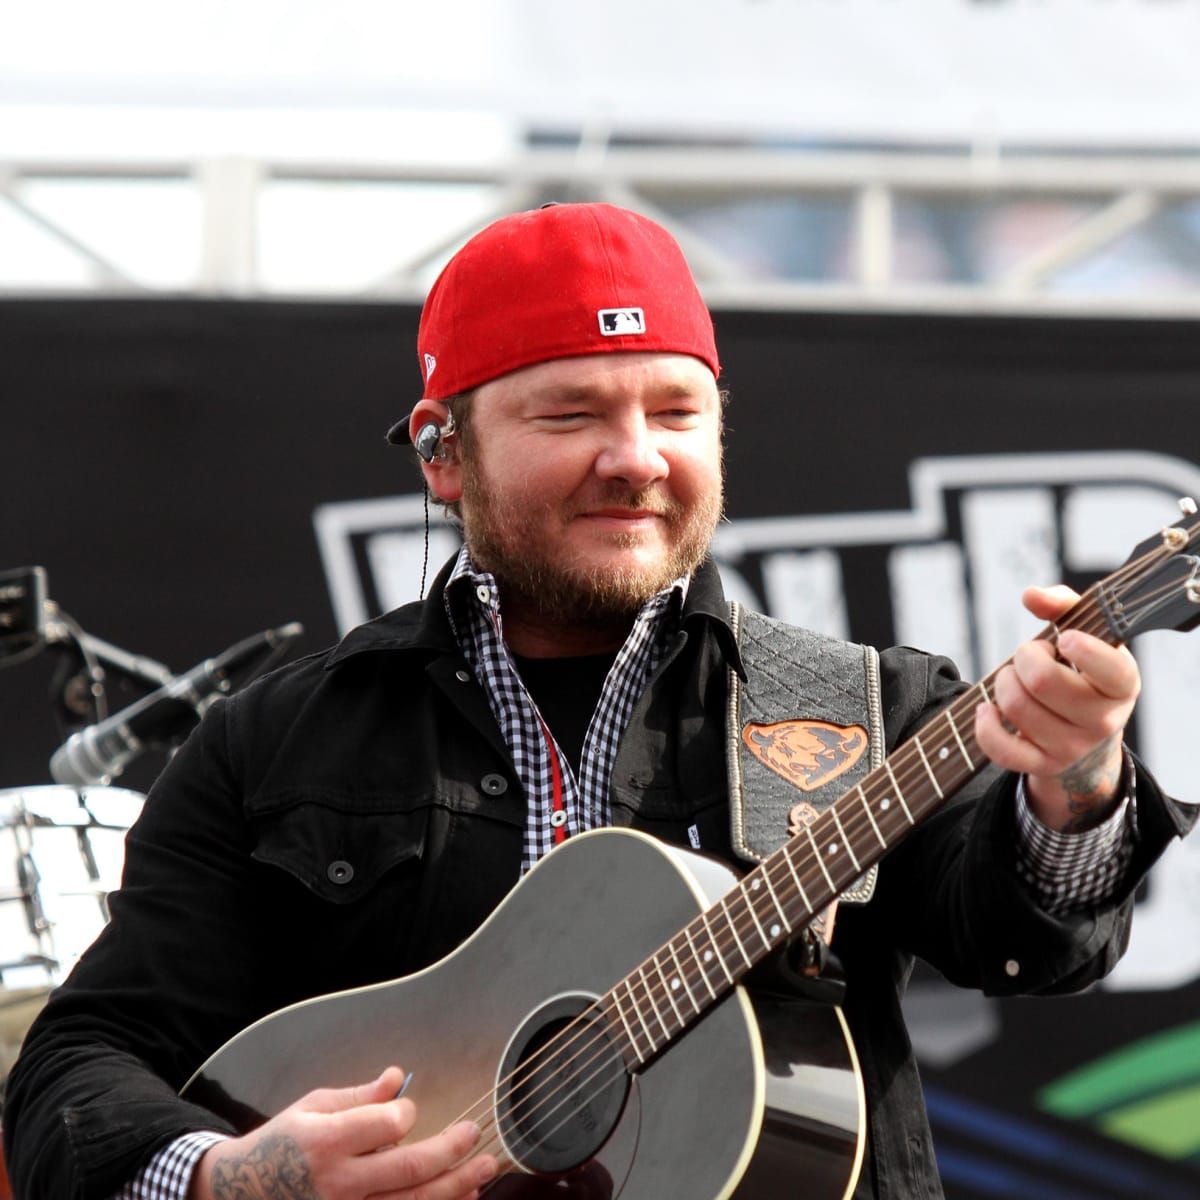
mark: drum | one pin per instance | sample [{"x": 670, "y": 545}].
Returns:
[{"x": 61, "y": 853}]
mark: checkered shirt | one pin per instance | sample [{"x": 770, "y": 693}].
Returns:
[
  {"x": 167, "y": 1175},
  {"x": 1064, "y": 871},
  {"x": 1070, "y": 871},
  {"x": 473, "y": 606}
]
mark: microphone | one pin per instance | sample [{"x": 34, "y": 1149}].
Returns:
[{"x": 98, "y": 753}]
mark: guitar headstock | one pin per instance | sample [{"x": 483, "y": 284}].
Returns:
[{"x": 1158, "y": 587}]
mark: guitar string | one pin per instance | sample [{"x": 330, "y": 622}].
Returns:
[
  {"x": 1129, "y": 568},
  {"x": 657, "y": 966},
  {"x": 1074, "y": 619},
  {"x": 653, "y": 966},
  {"x": 603, "y": 1050},
  {"x": 641, "y": 972},
  {"x": 748, "y": 905}
]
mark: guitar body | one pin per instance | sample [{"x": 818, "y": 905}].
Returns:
[{"x": 760, "y": 1094}]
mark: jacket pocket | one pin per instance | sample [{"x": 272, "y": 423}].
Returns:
[{"x": 340, "y": 851}]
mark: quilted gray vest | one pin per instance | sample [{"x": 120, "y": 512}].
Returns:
[{"x": 803, "y": 728}]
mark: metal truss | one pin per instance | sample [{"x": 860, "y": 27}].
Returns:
[{"x": 1116, "y": 197}]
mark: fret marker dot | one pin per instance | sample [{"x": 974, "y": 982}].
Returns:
[
  {"x": 944, "y": 753},
  {"x": 885, "y": 804},
  {"x": 675, "y": 984},
  {"x": 755, "y": 884},
  {"x": 708, "y": 956},
  {"x": 775, "y": 931},
  {"x": 833, "y": 847}
]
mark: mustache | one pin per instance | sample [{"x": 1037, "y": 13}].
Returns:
[{"x": 649, "y": 499}]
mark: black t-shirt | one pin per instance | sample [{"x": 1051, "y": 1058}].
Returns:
[{"x": 566, "y": 691}]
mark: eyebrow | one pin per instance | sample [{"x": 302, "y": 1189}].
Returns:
[{"x": 569, "y": 393}]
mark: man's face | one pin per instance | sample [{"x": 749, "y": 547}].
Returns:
[{"x": 591, "y": 483}]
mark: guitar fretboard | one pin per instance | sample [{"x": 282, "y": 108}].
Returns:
[{"x": 668, "y": 992}]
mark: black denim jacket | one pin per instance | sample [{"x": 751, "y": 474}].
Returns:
[{"x": 354, "y": 816}]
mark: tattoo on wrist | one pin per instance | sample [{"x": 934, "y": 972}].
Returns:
[
  {"x": 274, "y": 1169},
  {"x": 1091, "y": 785}
]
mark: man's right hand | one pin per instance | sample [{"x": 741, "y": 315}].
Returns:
[{"x": 344, "y": 1144}]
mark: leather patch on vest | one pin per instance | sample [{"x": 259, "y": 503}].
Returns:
[{"x": 808, "y": 754}]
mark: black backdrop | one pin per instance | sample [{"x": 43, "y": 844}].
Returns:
[{"x": 163, "y": 460}]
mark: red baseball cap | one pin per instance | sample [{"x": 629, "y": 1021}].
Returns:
[{"x": 560, "y": 281}]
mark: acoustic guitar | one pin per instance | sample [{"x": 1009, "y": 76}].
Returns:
[{"x": 596, "y": 1026}]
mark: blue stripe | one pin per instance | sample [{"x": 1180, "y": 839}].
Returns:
[
  {"x": 994, "y": 1179},
  {"x": 1013, "y": 1134}
]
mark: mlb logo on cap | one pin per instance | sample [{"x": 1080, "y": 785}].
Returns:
[{"x": 615, "y": 321}]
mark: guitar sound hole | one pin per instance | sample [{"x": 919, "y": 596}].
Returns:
[{"x": 561, "y": 1090}]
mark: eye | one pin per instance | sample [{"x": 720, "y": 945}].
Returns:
[{"x": 679, "y": 415}]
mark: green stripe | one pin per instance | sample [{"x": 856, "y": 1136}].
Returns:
[
  {"x": 1167, "y": 1125},
  {"x": 1166, "y": 1060}
]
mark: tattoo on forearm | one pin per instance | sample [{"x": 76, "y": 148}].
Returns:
[
  {"x": 1091, "y": 786},
  {"x": 275, "y": 1169}
]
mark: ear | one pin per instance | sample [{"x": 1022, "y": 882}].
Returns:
[{"x": 444, "y": 474}]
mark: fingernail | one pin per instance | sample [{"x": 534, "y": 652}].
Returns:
[
  {"x": 1068, "y": 642},
  {"x": 473, "y": 1131},
  {"x": 486, "y": 1171}
]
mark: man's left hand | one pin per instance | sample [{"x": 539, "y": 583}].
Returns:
[{"x": 1060, "y": 722}]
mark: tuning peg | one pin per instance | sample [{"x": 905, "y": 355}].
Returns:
[{"x": 1187, "y": 506}]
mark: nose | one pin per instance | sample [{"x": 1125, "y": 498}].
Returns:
[{"x": 630, "y": 453}]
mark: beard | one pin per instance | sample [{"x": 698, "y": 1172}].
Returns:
[{"x": 535, "y": 571}]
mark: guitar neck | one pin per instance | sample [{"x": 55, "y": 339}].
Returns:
[{"x": 676, "y": 985}]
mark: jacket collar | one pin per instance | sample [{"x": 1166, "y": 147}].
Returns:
[{"x": 423, "y": 624}]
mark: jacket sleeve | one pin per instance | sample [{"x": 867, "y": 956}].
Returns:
[
  {"x": 93, "y": 1093},
  {"x": 951, "y": 890}
]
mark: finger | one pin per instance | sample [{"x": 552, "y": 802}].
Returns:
[
  {"x": 1044, "y": 716},
  {"x": 1072, "y": 696},
  {"x": 371, "y": 1127},
  {"x": 406, "y": 1167},
  {"x": 330, "y": 1100},
  {"x": 1040, "y": 682},
  {"x": 460, "y": 1183},
  {"x": 1049, "y": 603},
  {"x": 1006, "y": 749},
  {"x": 1110, "y": 670}
]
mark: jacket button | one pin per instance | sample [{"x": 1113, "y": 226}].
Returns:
[
  {"x": 462, "y": 676},
  {"x": 1012, "y": 968},
  {"x": 339, "y": 871},
  {"x": 494, "y": 785}
]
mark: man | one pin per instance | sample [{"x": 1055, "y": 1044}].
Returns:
[{"x": 353, "y": 817}]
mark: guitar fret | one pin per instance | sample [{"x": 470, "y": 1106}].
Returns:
[
  {"x": 637, "y": 1012},
  {"x": 736, "y": 938},
  {"x": 775, "y": 899},
  {"x": 650, "y": 1000},
  {"x": 928, "y": 768},
  {"x": 628, "y": 1030},
  {"x": 870, "y": 817},
  {"x": 682, "y": 976},
  {"x": 696, "y": 957},
  {"x": 799, "y": 885},
  {"x": 762, "y": 933},
  {"x": 842, "y": 831},
  {"x": 954, "y": 730},
  {"x": 669, "y": 990},
  {"x": 715, "y": 951},
  {"x": 817, "y": 852},
  {"x": 899, "y": 795}
]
